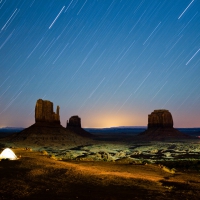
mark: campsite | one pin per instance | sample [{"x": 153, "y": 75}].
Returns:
[
  {"x": 36, "y": 175},
  {"x": 8, "y": 154}
]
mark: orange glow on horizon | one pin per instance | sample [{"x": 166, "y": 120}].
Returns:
[{"x": 113, "y": 120}]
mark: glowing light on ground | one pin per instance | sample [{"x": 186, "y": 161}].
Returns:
[{"x": 8, "y": 154}]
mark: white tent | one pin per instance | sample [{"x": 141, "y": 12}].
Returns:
[{"x": 8, "y": 154}]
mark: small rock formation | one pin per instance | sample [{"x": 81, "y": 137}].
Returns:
[
  {"x": 74, "y": 125},
  {"x": 160, "y": 119},
  {"x": 44, "y": 112},
  {"x": 74, "y": 121}
]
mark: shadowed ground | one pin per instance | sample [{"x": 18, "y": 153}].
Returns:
[{"x": 36, "y": 176}]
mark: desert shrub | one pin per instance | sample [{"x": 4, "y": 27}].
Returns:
[
  {"x": 121, "y": 154},
  {"x": 154, "y": 151},
  {"x": 104, "y": 156},
  {"x": 44, "y": 153},
  {"x": 53, "y": 157},
  {"x": 171, "y": 187},
  {"x": 167, "y": 154},
  {"x": 85, "y": 149},
  {"x": 28, "y": 149},
  {"x": 68, "y": 155},
  {"x": 144, "y": 162},
  {"x": 182, "y": 164},
  {"x": 166, "y": 169}
]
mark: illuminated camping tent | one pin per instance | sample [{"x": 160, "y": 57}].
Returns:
[{"x": 8, "y": 154}]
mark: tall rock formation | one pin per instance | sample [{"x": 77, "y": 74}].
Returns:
[
  {"x": 160, "y": 119},
  {"x": 74, "y": 121},
  {"x": 47, "y": 130},
  {"x": 44, "y": 112},
  {"x": 160, "y": 127}
]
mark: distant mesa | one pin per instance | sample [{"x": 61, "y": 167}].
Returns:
[
  {"x": 74, "y": 125},
  {"x": 44, "y": 112},
  {"x": 160, "y": 127},
  {"x": 160, "y": 119},
  {"x": 74, "y": 121}
]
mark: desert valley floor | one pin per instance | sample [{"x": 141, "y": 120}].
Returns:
[{"x": 154, "y": 170}]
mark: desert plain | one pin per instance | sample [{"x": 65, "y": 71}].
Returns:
[{"x": 104, "y": 170}]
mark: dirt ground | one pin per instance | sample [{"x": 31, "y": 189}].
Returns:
[{"x": 36, "y": 176}]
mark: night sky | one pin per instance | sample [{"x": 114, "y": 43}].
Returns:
[{"x": 110, "y": 62}]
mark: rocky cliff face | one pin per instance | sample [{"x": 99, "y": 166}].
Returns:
[
  {"x": 160, "y": 119},
  {"x": 44, "y": 112},
  {"x": 74, "y": 121}
]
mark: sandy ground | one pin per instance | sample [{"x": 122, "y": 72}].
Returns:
[{"x": 36, "y": 176}]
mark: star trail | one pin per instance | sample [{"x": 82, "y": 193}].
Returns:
[{"x": 111, "y": 62}]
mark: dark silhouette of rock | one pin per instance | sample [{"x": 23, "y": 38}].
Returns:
[
  {"x": 44, "y": 112},
  {"x": 160, "y": 127},
  {"x": 47, "y": 131},
  {"x": 74, "y": 125},
  {"x": 74, "y": 121},
  {"x": 46, "y": 135},
  {"x": 160, "y": 119}
]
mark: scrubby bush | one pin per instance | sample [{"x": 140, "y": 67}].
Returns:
[
  {"x": 53, "y": 157},
  {"x": 44, "y": 153},
  {"x": 166, "y": 169},
  {"x": 68, "y": 155},
  {"x": 145, "y": 162},
  {"x": 121, "y": 154},
  {"x": 104, "y": 156},
  {"x": 182, "y": 164},
  {"x": 28, "y": 149}
]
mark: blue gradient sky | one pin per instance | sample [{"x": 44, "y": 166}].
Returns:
[{"x": 110, "y": 62}]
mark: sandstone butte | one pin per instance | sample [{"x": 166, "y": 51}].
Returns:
[
  {"x": 47, "y": 126},
  {"x": 44, "y": 112},
  {"x": 74, "y": 125},
  {"x": 47, "y": 129},
  {"x": 160, "y": 119},
  {"x": 160, "y": 127},
  {"x": 74, "y": 121}
]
